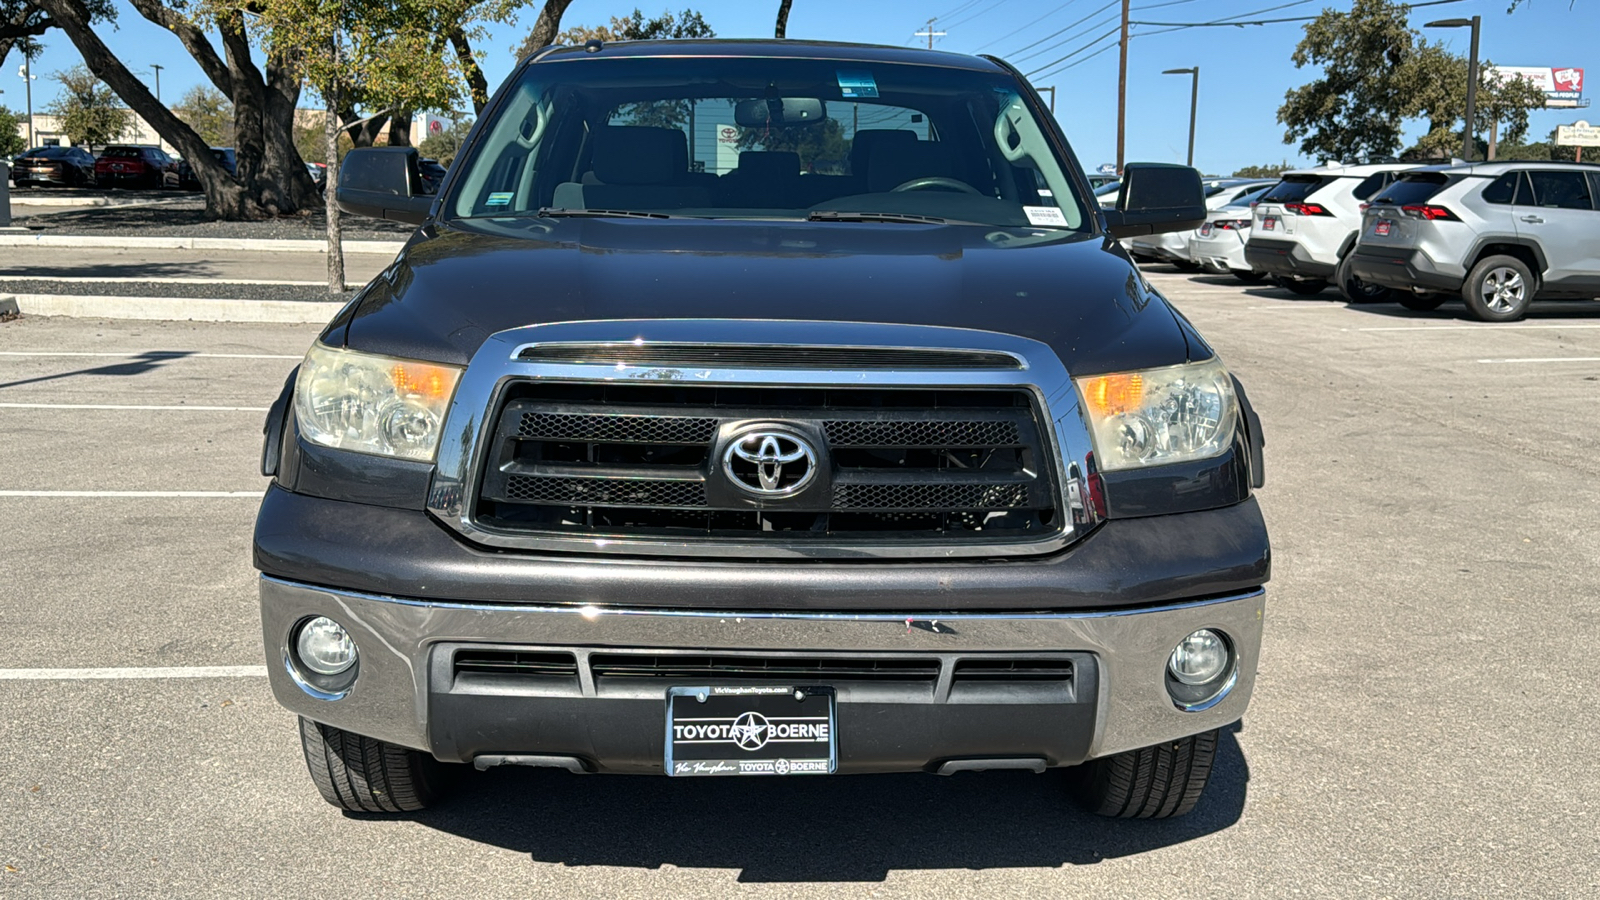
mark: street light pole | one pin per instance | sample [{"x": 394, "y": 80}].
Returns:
[
  {"x": 158, "y": 67},
  {"x": 1194, "y": 102},
  {"x": 1474, "y": 23}
]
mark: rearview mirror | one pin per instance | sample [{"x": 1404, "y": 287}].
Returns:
[
  {"x": 1157, "y": 198},
  {"x": 787, "y": 111},
  {"x": 383, "y": 183}
]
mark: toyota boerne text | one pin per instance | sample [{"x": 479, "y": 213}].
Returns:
[{"x": 763, "y": 408}]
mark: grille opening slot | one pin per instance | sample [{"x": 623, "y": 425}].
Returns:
[
  {"x": 733, "y": 355},
  {"x": 1011, "y": 670},
  {"x": 518, "y": 663},
  {"x": 764, "y": 668}
]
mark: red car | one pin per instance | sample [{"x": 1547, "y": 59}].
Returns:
[{"x": 135, "y": 166}]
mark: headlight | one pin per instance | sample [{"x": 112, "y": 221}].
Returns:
[
  {"x": 1160, "y": 416},
  {"x": 372, "y": 404}
]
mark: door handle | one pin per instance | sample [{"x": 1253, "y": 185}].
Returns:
[{"x": 1533, "y": 219}]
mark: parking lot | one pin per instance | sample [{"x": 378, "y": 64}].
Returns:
[{"x": 1422, "y": 724}]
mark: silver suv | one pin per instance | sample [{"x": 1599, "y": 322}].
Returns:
[
  {"x": 1304, "y": 227},
  {"x": 1501, "y": 234}
]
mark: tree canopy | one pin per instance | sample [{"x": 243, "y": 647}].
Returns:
[
  {"x": 11, "y": 143},
  {"x": 685, "y": 24},
  {"x": 1270, "y": 170},
  {"x": 87, "y": 109},
  {"x": 209, "y": 113}
]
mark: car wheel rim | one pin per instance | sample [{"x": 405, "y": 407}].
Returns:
[{"x": 1503, "y": 289}]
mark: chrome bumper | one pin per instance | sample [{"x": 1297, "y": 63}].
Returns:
[{"x": 395, "y": 636}]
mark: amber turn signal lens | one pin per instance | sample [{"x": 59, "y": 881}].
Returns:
[{"x": 1109, "y": 395}]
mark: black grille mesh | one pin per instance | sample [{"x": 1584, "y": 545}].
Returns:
[
  {"x": 622, "y": 429},
  {"x": 604, "y": 491},
  {"x": 929, "y": 496},
  {"x": 921, "y": 433}
]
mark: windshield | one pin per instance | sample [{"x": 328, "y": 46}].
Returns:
[{"x": 766, "y": 138}]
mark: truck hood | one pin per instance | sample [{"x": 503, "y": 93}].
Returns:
[{"x": 454, "y": 286}]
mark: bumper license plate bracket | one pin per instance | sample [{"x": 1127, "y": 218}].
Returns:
[{"x": 751, "y": 730}]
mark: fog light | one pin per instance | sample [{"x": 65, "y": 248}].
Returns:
[
  {"x": 1200, "y": 658},
  {"x": 325, "y": 647}
]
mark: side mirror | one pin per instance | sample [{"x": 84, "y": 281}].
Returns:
[
  {"x": 1157, "y": 198},
  {"x": 383, "y": 183}
]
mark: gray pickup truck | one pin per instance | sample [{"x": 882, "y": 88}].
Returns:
[{"x": 763, "y": 408}]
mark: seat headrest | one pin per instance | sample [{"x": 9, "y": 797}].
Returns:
[
  {"x": 637, "y": 154},
  {"x": 867, "y": 138},
  {"x": 769, "y": 164},
  {"x": 894, "y": 164}
]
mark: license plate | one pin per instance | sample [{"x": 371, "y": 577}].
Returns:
[
  {"x": 751, "y": 730},
  {"x": 1269, "y": 223},
  {"x": 1383, "y": 227}
]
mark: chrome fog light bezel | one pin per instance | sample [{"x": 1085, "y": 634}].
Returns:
[
  {"x": 324, "y": 685},
  {"x": 1197, "y": 697}
]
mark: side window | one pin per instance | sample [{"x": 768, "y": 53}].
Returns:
[
  {"x": 1594, "y": 187},
  {"x": 1502, "y": 189},
  {"x": 1371, "y": 185},
  {"x": 1561, "y": 190}
]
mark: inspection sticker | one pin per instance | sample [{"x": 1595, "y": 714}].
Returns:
[
  {"x": 1045, "y": 215},
  {"x": 854, "y": 85},
  {"x": 501, "y": 198}
]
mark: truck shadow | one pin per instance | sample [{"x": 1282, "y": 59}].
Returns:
[
  {"x": 847, "y": 829},
  {"x": 137, "y": 364}
]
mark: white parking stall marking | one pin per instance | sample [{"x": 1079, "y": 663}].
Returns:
[
  {"x": 1544, "y": 359},
  {"x": 135, "y": 494},
  {"x": 1487, "y": 326},
  {"x": 145, "y": 279},
  {"x": 132, "y": 407},
  {"x": 145, "y": 354},
  {"x": 133, "y": 673}
]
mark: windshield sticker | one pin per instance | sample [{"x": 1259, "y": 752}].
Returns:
[
  {"x": 502, "y": 198},
  {"x": 1045, "y": 215},
  {"x": 854, "y": 85}
]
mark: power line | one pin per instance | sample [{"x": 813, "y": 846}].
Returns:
[
  {"x": 1064, "y": 30},
  {"x": 1077, "y": 35},
  {"x": 1079, "y": 50},
  {"x": 974, "y": 14},
  {"x": 1029, "y": 25}
]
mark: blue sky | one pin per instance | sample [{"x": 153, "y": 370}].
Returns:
[{"x": 1244, "y": 71}]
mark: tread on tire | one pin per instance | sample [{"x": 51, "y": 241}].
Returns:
[
  {"x": 1151, "y": 782},
  {"x": 363, "y": 774}
]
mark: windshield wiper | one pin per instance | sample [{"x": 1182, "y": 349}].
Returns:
[
  {"x": 554, "y": 212},
  {"x": 835, "y": 215}
]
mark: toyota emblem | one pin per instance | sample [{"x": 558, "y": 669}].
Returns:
[{"x": 770, "y": 463}]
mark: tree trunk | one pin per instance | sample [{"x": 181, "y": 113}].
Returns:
[
  {"x": 783, "y": 19},
  {"x": 363, "y": 132},
  {"x": 331, "y": 130},
  {"x": 477, "y": 85},
  {"x": 546, "y": 27},
  {"x": 282, "y": 162},
  {"x": 225, "y": 198},
  {"x": 400, "y": 130},
  {"x": 1494, "y": 135}
]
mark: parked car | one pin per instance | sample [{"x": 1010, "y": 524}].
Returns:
[
  {"x": 1500, "y": 235},
  {"x": 1218, "y": 245},
  {"x": 224, "y": 155},
  {"x": 135, "y": 166},
  {"x": 432, "y": 175},
  {"x": 1173, "y": 246},
  {"x": 319, "y": 174},
  {"x": 776, "y": 473},
  {"x": 1106, "y": 193},
  {"x": 1305, "y": 226},
  {"x": 63, "y": 166}
]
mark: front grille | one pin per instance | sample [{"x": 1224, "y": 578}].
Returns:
[
  {"x": 632, "y": 461},
  {"x": 1011, "y": 670},
  {"x": 778, "y": 357},
  {"x": 746, "y": 669},
  {"x": 516, "y": 663}
]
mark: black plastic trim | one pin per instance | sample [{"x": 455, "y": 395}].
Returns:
[
  {"x": 1181, "y": 487},
  {"x": 1401, "y": 269},
  {"x": 333, "y": 474},
  {"x": 1283, "y": 258},
  {"x": 277, "y": 420}
]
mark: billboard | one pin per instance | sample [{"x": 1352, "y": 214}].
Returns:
[{"x": 1562, "y": 86}]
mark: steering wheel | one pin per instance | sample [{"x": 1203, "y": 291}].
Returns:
[{"x": 933, "y": 181}]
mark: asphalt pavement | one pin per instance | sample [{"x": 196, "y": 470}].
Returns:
[
  {"x": 1421, "y": 725},
  {"x": 220, "y": 273}
]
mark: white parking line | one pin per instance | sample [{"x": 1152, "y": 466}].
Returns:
[
  {"x": 1487, "y": 326},
  {"x": 1544, "y": 359},
  {"x": 198, "y": 494},
  {"x": 140, "y": 672},
  {"x": 120, "y": 407},
  {"x": 170, "y": 279},
  {"x": 1301, "y": 306},
  {"x": 151, "y": 355}
]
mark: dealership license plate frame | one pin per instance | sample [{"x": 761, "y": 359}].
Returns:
[{"x": 720, "y": 755}]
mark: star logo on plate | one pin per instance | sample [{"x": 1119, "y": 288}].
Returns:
[{"x": 751, "y": 730}]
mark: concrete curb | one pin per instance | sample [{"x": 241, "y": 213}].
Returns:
[
  {"x": 181, "y": 309},
  {"x": 109, "y": 242}
]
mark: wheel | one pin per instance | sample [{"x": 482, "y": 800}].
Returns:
[
  {"x": 1499, "y": 289},
  {"x": 1248, "y": 276},
  {"x": 1184, "y": 265},
  {"x": 1306, "y": 288},
  {"x": 363, "y": 774},
  {"x": 1420, "y": 302},
  {"x": 1353, "y": 288},
  {"x": 1150, "y": 783}
]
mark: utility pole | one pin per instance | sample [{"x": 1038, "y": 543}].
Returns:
[
  {"x": 1122, "y": 92},
  {"x": 1052, "y": 91},
  {"x": 929, "y": 33},
  {"x": 26, "y": 73},
  {"x": 158, "y": 69},
  {"x": 1194, "y": 103}
]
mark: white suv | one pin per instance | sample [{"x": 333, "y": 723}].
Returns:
[{"x": 1305, "y": 226}]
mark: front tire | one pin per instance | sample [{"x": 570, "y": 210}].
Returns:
[
  {"x": 1499, "y": 289},
  {"x": 363, "y": 774},
  {"x": 1309, "y": 287},
  {"x": 1353, "y": 288},
  {"x": 1149, "y": 783}
]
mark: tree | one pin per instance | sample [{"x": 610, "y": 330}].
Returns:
[
  {"x": 87, "y": 109},
  {"x": 1270, "y": 170},
  {"x": 11, "y": 143},
  {"x": 444, "y": 145},
  {"x": 686, "y": 24},
  {"x": 782, "y": 28},
  {"x": 209, "y": 113},
  {"x": 1440, "y": 97}
]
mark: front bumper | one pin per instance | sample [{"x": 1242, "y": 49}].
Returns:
[
  {"x": 407, "y": 692},
  {"x": 1287, "y": 258},
  {"x": 1403, "y": 269}
]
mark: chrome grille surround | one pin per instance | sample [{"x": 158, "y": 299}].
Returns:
[{"x": 470, "y": 423}]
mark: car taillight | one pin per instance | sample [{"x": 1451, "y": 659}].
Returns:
[
  {"x": 1205, "y": 230},
  {"x": 1307, "y": 209},
  {"x": 1429, "y": 212},
  {"x": 1364, "y": 206}
]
